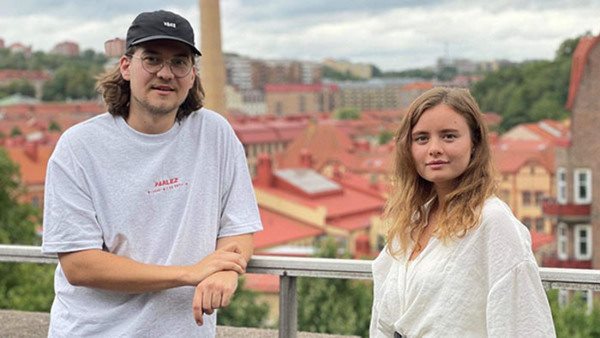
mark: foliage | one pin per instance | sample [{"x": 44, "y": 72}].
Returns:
[
  {"x": 338, "y": 306},
  {"x": 71, "y": 81},
  {"x": 384, "y": 137},
  {"x": 54, "y": 126},
  {"x": 347, "y": 114},
  {"x": 573, "y": 320},
  {"x": 330, "y": 73},
  {"x": 21, "y": 86},
  {"x": 244, "y": 310},
  {"x": 22, "y": 286},
  {"x": 72, "y": 77},
  {"x": 411, "y": 73},
  {"x": 15, "y": 131},
  {"x": 530, "y": 91}
]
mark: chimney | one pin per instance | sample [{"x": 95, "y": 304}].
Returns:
[
  {"x": 212, "y": 70},
  {"x": 337, "y": 171},
  {"x": 31, "y": 150},
  {"x": 306, "y": 160},
  {"x": 264, "y": 171}
]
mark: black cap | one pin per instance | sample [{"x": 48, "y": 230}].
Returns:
[{"x": 160, "y": 25}]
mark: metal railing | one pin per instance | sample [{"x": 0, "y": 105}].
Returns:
[{"x": 290, "y": 268}]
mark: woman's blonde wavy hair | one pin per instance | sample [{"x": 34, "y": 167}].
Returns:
[
  {"x": 461, "y": 211},
  {"x": 116, "y": 92}
]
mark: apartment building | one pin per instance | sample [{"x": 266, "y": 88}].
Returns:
[{"x": 576, "y": 209}]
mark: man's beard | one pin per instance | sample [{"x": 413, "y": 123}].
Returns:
[{"x": 156, "y": 110}]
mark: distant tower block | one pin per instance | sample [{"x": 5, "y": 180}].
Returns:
[{"x": 212, "y": 67}]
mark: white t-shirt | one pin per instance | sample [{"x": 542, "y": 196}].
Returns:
[
  {"x": 160, "y": 199},
  {"x": 485, "y": 284}
]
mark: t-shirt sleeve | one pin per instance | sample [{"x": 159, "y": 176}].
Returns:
[
  {"x": 70, "y": 222},
  {"x": 239, "y": 214},
  {"x": 517, "y": 305}
]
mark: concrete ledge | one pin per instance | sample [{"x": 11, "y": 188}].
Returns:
[{"x": 21, "y": 324}]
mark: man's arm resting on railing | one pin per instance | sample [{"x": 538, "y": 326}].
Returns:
[
  {"x": 216, "y": 290},
  {"x": 104, "y": 270}
]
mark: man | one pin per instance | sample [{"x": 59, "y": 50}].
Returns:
[{"x": 150, "y": 206}]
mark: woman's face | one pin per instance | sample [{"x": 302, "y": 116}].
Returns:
[{"x": 441, "y": 146}]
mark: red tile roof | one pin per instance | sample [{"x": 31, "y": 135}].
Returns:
[
  {"x": 580, "y": 57},
  {"x": 267, "y": 131},
  {"x": 511, "y": 156},
  {"x": 279, "y": 229},
  {"x": 262, "y": 283},
  {"x": 18, "y": 74},
  {"x": 32, "y": 168},
  {"x": 324, "y": 142},
  {"x": 418, "y": 86},
  {"x": 539, "y": 239}
]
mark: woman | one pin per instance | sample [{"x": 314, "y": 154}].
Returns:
[{"x": 457, "y": 262}]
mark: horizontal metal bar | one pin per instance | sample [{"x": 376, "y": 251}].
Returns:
[{"x": 575, "y": 279}]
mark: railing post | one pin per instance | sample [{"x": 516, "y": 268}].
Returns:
[{"x": 288, "y": 307}]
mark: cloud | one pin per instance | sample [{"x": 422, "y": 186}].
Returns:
[{"x": 389, "y": 33}]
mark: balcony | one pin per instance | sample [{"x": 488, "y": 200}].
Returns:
[
  {"x": 567, "y": 212},
  {"x": 289, "y": 268},
  {"x": 554, "y": 262}
]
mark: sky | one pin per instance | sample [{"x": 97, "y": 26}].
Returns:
[{"x": 390, "y": 34}]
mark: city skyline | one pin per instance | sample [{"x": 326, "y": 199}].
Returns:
[{"x": 359, "y": 31}]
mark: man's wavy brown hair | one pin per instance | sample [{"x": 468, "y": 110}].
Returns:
[
  {"x": 116, "y": 92},
  {"x": 462, "y": 207}
]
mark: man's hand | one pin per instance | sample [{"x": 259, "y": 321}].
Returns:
[
  {"x": 214, "y": 292},
  {"x": 227, "y": 258}
]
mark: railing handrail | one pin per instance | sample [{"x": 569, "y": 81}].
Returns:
[
  {"x": 326, "y": 267},
  {"x": 288, "y": 268}
]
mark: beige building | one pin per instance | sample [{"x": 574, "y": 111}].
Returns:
[
  {"x": 359, "y": 70},
  {"x": 289, "y": 99}
]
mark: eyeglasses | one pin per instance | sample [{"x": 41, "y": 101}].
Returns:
[{"x": 179, "y": 66}]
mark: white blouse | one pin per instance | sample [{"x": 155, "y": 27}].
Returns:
[{"x": 485, "y": 284}]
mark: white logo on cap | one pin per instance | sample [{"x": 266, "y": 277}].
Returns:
[{"x": 170, "y": 24}]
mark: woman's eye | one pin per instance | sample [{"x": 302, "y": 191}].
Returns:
[
  {"x": 420, "y": 139},
  {"x": 450, "y": 136}
]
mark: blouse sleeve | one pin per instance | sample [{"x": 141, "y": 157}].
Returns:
[{"x": 518, "y": 306}]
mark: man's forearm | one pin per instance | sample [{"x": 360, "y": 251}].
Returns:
[
  {"x": 103, "y": 270},
  {"x": 245, "y": 243}
]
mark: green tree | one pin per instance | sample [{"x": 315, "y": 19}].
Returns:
[
  {"x": 330, "y": 73},
  {"x": 71, "y": 81},
  {"x": 54, "y": 126},
  {"x": 573, "y": 320},
  {"x": 530, "y": 91},
  {"x": 347, "y": 113},
  {"x": 338, "y": 306},
  {"x": 15, "y": 131},
  {"x": 22, "y": 286},
  {"x": 244, "y": 310},
  {"x": 20, "y": 86},
  {"x": 384, "y": 137}
]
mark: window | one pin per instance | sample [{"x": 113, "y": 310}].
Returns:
[
  {"x": 527, "y": 222},
  {"x": 583, "y": 242},
  {"x": 562, "y": 242},
  {"x": 539, "y": 198},
  {"x": 539, "y": 224},
  {"x": 583, "y": 186},
  {"x": 302, "y": 104},
  {"x": 588, "y": 300},
  {"x": 526, "y": 197},
  {"x": 561, "y": 185},
  {"x": 563, "y": 297}
]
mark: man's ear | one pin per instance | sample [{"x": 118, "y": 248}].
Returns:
[{"x": 124, "y": 64}]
